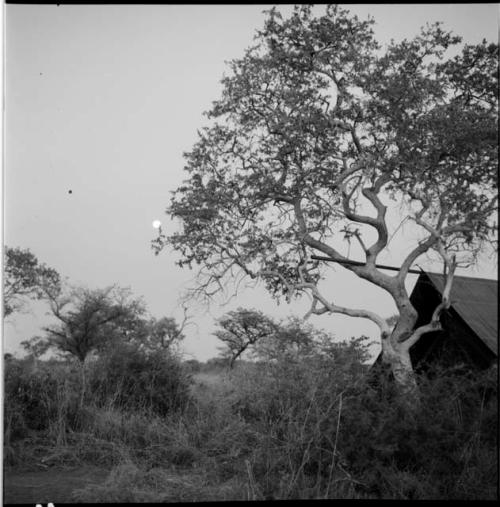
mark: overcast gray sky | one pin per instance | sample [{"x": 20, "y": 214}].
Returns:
[{"x": 103, "y": 101}]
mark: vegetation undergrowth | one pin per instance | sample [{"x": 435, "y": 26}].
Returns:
[{"x": 303, "y": 425}]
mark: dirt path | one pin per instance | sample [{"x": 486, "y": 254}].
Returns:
[{"x": 45, "y": 486}]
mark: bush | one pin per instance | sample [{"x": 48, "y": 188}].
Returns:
[
  {"x": 442, "y": 449},
  {"x": 37, "y": 397},
  {"x": 294, "y": 426},
  {"x": 321, "y": 431},
  {"x": 192, "y": 366},
  {"x": 133, "y": 380},
  {"x": 214, "y": 365},
  {"x": 293, "y": 406}
]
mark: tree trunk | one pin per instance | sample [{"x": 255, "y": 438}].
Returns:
[
  {"x": 83, "y": 384},
  {"x": 397, "y": 357}
]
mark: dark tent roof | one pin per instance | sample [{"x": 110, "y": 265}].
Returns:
[{"x": 476, "y": 301}]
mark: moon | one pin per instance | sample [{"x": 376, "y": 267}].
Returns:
[{"x": 156, "y": 224}]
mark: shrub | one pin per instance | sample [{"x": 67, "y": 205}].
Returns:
[
  {"x": 129, "y": 378},
  {"x": 442, "y": 449},
  {"x": 37, "y": 397},
  {"x": 321, "y": 431},
  {"x": 293, "y": 406},
  {"x": 192, "y": 366}
]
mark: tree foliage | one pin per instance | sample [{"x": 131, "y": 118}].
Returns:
[
  {"x": 25, "y": 278},
  {"x": 161, "y": 334},
  {"x": 89, "y": 319},
  {"x": 317, "y": 133},
  {"x": 242, "y": 329},
  {"x": 95, "y": 320},
  {"x": 262, "y": 338}
]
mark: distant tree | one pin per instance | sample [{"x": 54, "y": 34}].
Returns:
[
  {"x": 242, "y": 329},
  {"x": 150, "y": 333},
  {"x": 163, "y": 334},
  {"x": 263, "y": 338},
  {"x": 88, "y": 319},
  {"x": 315, "y": 125},
  {"x": 25, "y": 278},
  {"x": 292, "y": 337}
]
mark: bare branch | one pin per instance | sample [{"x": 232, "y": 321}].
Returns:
[{"x": 351, "y": 312}]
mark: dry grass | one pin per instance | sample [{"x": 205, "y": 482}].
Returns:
[
  {"x": 130, "y": 483},
  {"x": 277, "y": 431}
]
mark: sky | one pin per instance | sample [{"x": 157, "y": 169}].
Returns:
[{"x": 102, "y": 101}]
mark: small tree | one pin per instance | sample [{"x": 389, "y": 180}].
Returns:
[
  {"x": 88, "y": 320},
  {"x": 241, "y": 329},
  {"x": 265, "y": 339},
  {"x": 315, "y": 126},
  {"x": 292, "y": 338},
  {"x": 163, "y": 334},
  {"x": 25, "y": 278},
  {"x": 151, "y": 334}
]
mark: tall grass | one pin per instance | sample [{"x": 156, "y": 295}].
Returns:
[{"x": 300, "y": 427}]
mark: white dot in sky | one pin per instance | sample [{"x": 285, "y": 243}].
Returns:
[{"x": 156, "y": 224}]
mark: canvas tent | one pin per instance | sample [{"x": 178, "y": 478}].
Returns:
[{"x": 470, "y": 325}]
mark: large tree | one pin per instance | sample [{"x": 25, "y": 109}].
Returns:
[
  {"x": 317, "y": 133},
  {"x": 25, "y": 278}
]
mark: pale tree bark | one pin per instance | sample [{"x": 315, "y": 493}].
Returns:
[
  {"x": 396, "y": 347},
  {"x": 395, "y": 343}
]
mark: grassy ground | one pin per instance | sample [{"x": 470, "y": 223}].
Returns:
[
  {"x": 282, "y": 431},
  {"x": 53, "y": 485},
  {"x": 71, "y": 477}
]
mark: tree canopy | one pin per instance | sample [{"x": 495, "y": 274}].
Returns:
[
  {"x": 317, "y": 133},
  {"x": 89, "y": 319},
  {"x": 242, "y": 329},
  {"x": 262, "y": 338},
  {"x": 162, "y": 334},
  {"x": 98, "y": 320},
  {"x": 25, "y": 278}
]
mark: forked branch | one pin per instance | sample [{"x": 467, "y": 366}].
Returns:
[{"x": 330, "y": 307}]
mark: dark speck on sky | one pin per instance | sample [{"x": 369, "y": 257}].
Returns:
[{"x": 70, "y": 191}]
